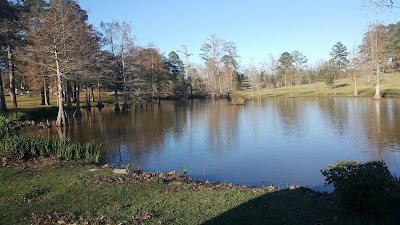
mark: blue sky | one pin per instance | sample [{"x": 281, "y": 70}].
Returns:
[{"x": 257, "y": 27}]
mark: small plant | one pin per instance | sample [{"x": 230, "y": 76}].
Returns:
[
  {"x": 18, "y": 116},
  {"x": 364, "y": 187},
  {"x": 235, "y": 100},
  {"x": 158, "y": 181},
  {"x": 185, "y": 170}
]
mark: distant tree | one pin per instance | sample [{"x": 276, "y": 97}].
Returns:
[
  {"x": 393, "y": 44},
  {"x": 299, "y": 63},
  {"x": 374, "y": 50},
  {"x": 355, "y": 61},
  {"x": 286, "y": 65},
  {"x": 328, "y": 72},
  {"x": 152, "y": 75},
  {"x": 104, "y": 74},
  {"x": 339, "y": 55},
  {"x": 176, "y": 71},
  {"x": 212, "y": 52},
  {"x": 111, "y": 37},
  {"x": 230, "y": 66},
  {"x": 253, "y": 75},
  {"x": 187, "y": 66},
  {"x": 271, "y": 67}
]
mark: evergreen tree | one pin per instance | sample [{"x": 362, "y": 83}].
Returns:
[{"x": 339, "y": 55}]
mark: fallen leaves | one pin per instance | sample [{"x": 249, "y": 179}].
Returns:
[
  {"x": 85, "y": 218},
  {"x": 70, "y": 219}
]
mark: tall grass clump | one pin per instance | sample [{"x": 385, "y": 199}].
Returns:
[
  {"x": 23, "y": 148},
  {"x": 5, "y": 128}
]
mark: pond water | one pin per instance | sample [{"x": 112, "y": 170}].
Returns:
[{"x": 279, "y": 141}]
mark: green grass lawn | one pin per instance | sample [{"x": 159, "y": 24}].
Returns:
[
  {"x": 390, "y": 86},
  {"x": 72, "y": 194}
]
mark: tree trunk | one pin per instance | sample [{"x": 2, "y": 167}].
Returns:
[
  {"x": 99, "y": 104},
  {"x": 377, "y": 95},
  {"x": 78, "y": 112},
  {"x": 355, "y": 85},
  {"x": 219, "y": 84},
  {"x": 62, "y": 119},
  {"x": 45, "y": 94},
  {"x": 3, "y": 107},
  {"x": 116, "y": 108},
  {"x": 11, "y": 71},
  {"x": 92, "y": 89},
  {"x": 74, "y": 93},
  {"x": 125, "y": 106},
  {"x": 87, "y": 97},
  {"x": 291, "y": 84},
  {"x": 69, "y": 93},
  {"x": 285, "y": 79},
  {"x": 42, "y": 91},
  {"x": 47, "y": 99}
]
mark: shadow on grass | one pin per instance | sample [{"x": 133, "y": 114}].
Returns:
[
  {"x": 286, "y": 207},
  {"x": 340, "y": 85},
  {"x": 43, "y": 113}
]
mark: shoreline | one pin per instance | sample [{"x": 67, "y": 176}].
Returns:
[{"x": 53, "y": 191}]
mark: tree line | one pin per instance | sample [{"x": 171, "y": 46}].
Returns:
[{"x": 49, "y": 47}]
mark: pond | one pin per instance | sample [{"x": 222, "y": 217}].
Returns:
[{"x": 279, "y": 141}]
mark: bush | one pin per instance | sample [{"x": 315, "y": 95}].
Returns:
[{"x": 364, "y": 187}]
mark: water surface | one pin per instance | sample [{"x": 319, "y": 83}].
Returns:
[{"x": 280, "y": 141}]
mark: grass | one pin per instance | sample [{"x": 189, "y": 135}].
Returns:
[
  {"x": 390, "y": 86},
  {"x": 35, "y": 192},
  {"x": 22, "y": 148}
]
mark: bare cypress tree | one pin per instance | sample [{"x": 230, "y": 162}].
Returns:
[
  {"x": 186, "y": 54},
  {"x": 354, "y": 66},
  {"x": 374, "y": 50},
  {"x": 62, "y": 37}
]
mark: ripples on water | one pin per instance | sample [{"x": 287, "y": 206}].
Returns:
[{"x": 280, "y": 141}]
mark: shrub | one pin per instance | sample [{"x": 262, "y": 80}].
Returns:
[{"x": 364, "y": 187}]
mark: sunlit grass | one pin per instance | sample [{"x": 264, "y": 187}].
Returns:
[
  {"x": 390, "y": 86},
  {"x": 26, "y": 102},
  {"x": 65, "y": 189}
]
